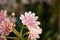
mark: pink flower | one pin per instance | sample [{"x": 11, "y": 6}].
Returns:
[
  {"x": 3, "y": 1},
  {"x": 5, "y": 23},
  {"x": 33, "y": 36},
  {"x": 37, "y": 30},
  {"x": 3, "y": 15},
  {"x": 34, "y": 33},
  {"x": 30, "y": 20},
  {"x": 5, "y": 28}
]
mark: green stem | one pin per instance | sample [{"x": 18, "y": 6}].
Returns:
[
  {"x": 15, "y": 31},
  {"x": 11, "y": 37},
  {"x": 21, "y": 35},
  {"x": 25, "y": 34}
]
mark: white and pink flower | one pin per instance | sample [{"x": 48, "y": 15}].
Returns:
[
  {"x": 30, "y": 20},
  {"x": 34, "y": 34}
]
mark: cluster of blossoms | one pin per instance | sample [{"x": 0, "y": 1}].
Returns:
[
  {"x": 30, "y": 20},
  {"x": 5, "y": 24}
]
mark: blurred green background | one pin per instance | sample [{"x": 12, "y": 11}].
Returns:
[{"x": 47, "y": 10}]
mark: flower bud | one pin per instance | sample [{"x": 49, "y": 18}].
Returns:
[{"x": 13, "y": 14}]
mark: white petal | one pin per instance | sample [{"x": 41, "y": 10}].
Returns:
[
  {"x": 39, "y": 30},
  {"x": 36, "y": 17},
  {"x": 5, "y": 11},
  {"x": 36, "y": 30},
  {"x": 26, "y": 13},
  {"x": 38, "y": 23},
  {"x": 22, "y": 17},
  {"x": 33, "y": 14},
  {"x": 29, "y": 12}
]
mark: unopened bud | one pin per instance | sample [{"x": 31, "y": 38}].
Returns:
[
  {"x": 14, "y": 25},
  {"x": 13, "y": 14}
]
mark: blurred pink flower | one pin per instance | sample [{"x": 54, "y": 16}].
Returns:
[
  {"x": 30, "y": 20},
  {"x": 3, "y": 1},
  {"x": 3, "y": 15},
  {"x": 13, "y": 20},
  {"x": 2, "y": 38},
  {"x": 5, "y": 28},
  {"x": 5, "y": 23}
]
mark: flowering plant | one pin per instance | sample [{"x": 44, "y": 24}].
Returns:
[{"x": 29, "y": 21}]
